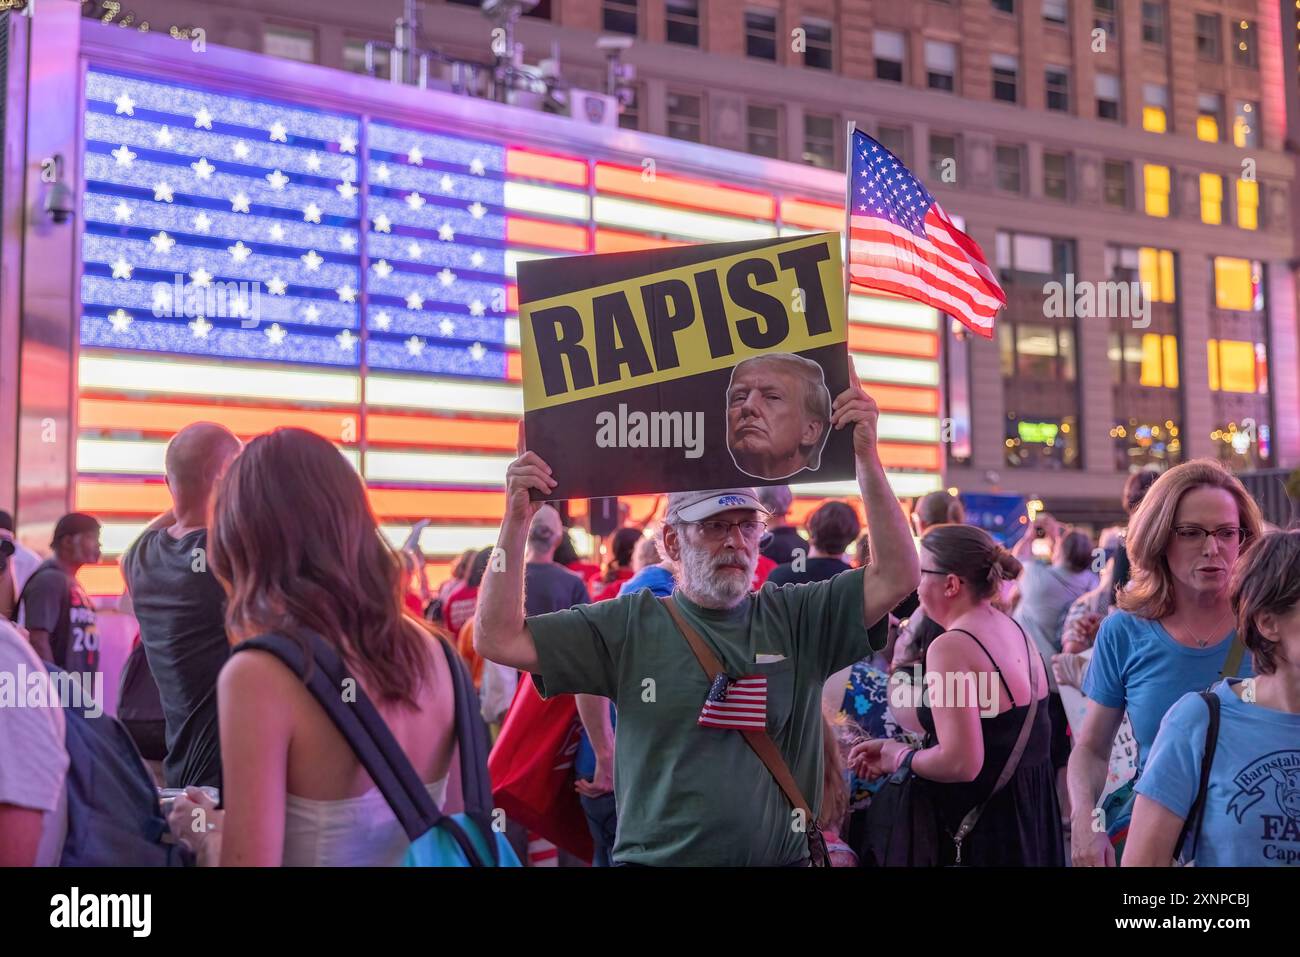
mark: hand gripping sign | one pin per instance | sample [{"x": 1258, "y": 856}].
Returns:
[{"x": 694, "y": 367}]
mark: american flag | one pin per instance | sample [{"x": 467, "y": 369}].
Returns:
[
  {"x": 738, "y": 704},
  {"x": 901, "y": 241}
]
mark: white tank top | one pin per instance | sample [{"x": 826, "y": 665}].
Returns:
[{"x": 353, "y": 832}]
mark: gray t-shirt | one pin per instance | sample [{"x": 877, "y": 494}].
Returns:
[
  {"x": 1046, "y": 594},
  {"x": 33, "y": 744}
]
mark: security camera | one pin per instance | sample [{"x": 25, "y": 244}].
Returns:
[
  {"x": 59, "y": 203},
  {"x": 506, "y": 8},
  {"x": 614, "y": 44}
]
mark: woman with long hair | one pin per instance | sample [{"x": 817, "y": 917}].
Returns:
[
  {"x": 1173, "y": 634},
  {"x": 296, "y": 547}
]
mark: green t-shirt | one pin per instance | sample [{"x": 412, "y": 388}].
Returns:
[{"x": 688, "y": 795}]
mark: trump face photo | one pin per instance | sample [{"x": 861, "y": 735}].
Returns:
[{"x": 778, "y": 415}]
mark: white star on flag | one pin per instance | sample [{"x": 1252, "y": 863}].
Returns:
[
  {"x": 414, "y": 200},
  {"x": 446, "y": 233},
  {"x": 202, "y": 223},
  {"x": 346, "y": 340},
  {"x": 239, "y": 203},
  {"x": 275, "y": 286},
  {"x": 477, "y": 210},
  {"x": 414, "y": 300},
  {"x": 162, "y": 299},
  {"x": 163, "y": 136},
  {"x": 123, "y": 155},
  {"x": 162, "y": 192},
  {"x": 277, "y": 232},
  {"x": 278, "y": 131},
  {"x": 203, "y": 169},
  {"x": 476, "y": 308},
  {"x": 415, "y": 157},
  {"x": 122, "y": 212},
  {"x": 415, "y": 346},
  {"x": 162, "y": 243},
  {"x": 383, "y": 224},
  {"x": 239, "y": 309},
  {"x": 347, "y": 144},
  {"x": 124, "y": 104},
  {"x": 348, "y": 241},
  {"x": 201, "y": 327},
  {"x": 120, "y": 320},
  {"x": 413, "y": 250},
  {"x": 476, "y": 259},
  {"x": 239, "y": 252},
  {"x": 201, "y": 277},
  {"x": 382, "y": 269},
  {"x": 276, "y": 179},
  {"x": 311, "y": 313},
  {"x": 346, "y": 189},
  {"x": 346, "y": 294},
  {"x": 447, "y": 276},
  {"x": 241, "y": 149},
  {"x": 445, "y": 184},
  {"x": 311, "y": 214},
  {"x": 446, "y": 327},
  {"x": 312, "y": 260},
  {"x": 477, "y": 351},
  {"x": 381, "y": 172},
  {"x": 476, "y": 166},
  {"x": 121, "y": 268},
  {"x": 203, "y": 119},
  {"x": 383, "y": 320},
  {"x": 276, "y": 334},
  {"x": 313, "y": 161}
]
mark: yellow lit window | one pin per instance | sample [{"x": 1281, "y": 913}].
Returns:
[
  {"x": 1232, "y": 366},
  {"x": 1153, "y": 119},
  {"x": 1247, "y": 204},
  {"x": 1233, "y": 288},
  {"x": 1156, "y": 180},
  {"x": 1207, "y": 128},
  {"x": 1156, "y": 271},
  {"x": 1240, "y": 131},
  {"x": 1152, "y": 373},
  {"x": 1211, "y": 198},
  {"x": 1212, "y": 354},
  {"x": 1169, "y": 345}
]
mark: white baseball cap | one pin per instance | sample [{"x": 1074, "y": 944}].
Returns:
[{"x": 694, "y": 506}]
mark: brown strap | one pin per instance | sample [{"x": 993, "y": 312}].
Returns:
[
  {"x": 762, "y": 745},
  {"x": 1232, "y": 663}
]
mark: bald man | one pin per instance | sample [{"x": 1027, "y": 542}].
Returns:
[{"x": 181, "y": 607}]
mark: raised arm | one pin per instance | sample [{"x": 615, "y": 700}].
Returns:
[{"x": 897, "y": 569}]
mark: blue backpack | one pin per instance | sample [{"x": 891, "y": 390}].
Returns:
[
  {"x": 114, "y": 819},
  {"x": 467, "y": 839}
]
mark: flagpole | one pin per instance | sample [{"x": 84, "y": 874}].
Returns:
[{"x": 848, "y": 206}]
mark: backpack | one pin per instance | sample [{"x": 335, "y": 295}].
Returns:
[
  {"x": 139, "y": 706},
  {"x": 114, "y": 819},
  {"x": 466, "y": 839}
]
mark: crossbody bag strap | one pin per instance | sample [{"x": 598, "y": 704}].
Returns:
[
  {"x": 1232, "y": 663},
  {"x": 1017, "y": 752},
  {"x": 1192, "y": 826},
  {"x": 759, "y": 741}
]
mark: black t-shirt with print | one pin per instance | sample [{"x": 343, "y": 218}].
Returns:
[{"x": 54, "y": 601}]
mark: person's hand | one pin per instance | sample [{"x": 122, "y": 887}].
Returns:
[
  {"x": 195, "y": 822},
  {"x": 875, "y": 757},
  {"x": 1068, "y": 668},
  {"x": 854, "y": 407},
  {"x": 1084, "y": 629},
  {"x": 602, "y": 782},
  {"x": 526, "y": 472},
  {"x": 1089, "y": 848}
]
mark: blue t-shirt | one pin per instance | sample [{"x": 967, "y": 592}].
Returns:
[
  {"x": 1138, "y": 666},
  {"x": 1252, "y": 807},
  {"x": 655, "y": 577}
]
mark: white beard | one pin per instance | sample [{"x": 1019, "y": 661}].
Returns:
[{"x": 703, "y": 584}]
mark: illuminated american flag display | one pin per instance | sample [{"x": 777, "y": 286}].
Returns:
[{"x": 261, "y": 263}]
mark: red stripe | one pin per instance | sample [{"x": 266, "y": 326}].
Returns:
[
  {"x": 926, "y": 255},
  {"x": 930, "y": 245},
  {"x": 909, "y": 293},
  {"x": 859, "y": 272}
]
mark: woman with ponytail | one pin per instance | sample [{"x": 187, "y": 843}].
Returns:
[{"x": 983, "y": 685}]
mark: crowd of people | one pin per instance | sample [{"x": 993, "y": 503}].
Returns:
[{"x": 740, "y": 694}]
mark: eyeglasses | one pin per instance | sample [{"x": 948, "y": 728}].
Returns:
[
  {"x": 1228, "y": 536},
  {"x": 933, "y": 571},
  {"x": 716, "y": 530}
]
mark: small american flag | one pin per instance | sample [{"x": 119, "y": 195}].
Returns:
[
  {"x": 901, "y": 241},
  {"x": 736, "y": 703}
]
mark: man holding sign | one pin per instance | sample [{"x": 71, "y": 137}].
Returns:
[{"x": 690, "y": 790}]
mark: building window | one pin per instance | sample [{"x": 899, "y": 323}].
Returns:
[
  {"x": 1156, "y": 180},
  {"x": 940, "y": 65},
  {"x": 1010, "y": 163},
  {"x": 1247, "y": 204},
  {"x": 1005, "y": 6},
  {"x": 1238, "y": 284},
  {"x": 1108, "y": 95},
  {"x": 1244, "y": 52},
  {"x": 1056, "y": 11},
  {"x": 629, "y": 117},
  {"x": 1208, "y": 31},
  {"x": 1209, "y": 116},
  {"x": 1211, "y": 198},
  {"x": 1005, "y": 70},
  {"x": 764, "y": 130},
  {"x": 686, "y": 117},
  {"x": 818, "y": 53},
  {"x": 1058, "y": 89},
  {"x": 619, "y": 16},
  {"x": 1155, "y": 107},
  {"x": 1234, "y": 365},
  {"x": 819, "y": 140},
  {"x": 1245, "y": 124},
  {"x": 760, "y": 34},
  {"x": 1103, "y": 18},
  {"x": 1029, "y": 259},
  {"x": 889, "y": 48},
  {"x": 1153, "y": 23},
  {"x": 894, "y": 139},
  {"x": 942, "y": 148},
  {"x": 1116, "y": 177},
  {"x": 289, "y": 44},
  {"x": 1153, "y": 268},
  {"x": 1145, "y": 359},
  {"x": 1056, "y": 176},
  {"x": 354, "y": 58},
  {"x": 683, "y": 22}
]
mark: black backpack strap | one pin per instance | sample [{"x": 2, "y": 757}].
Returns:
[
  {"x": 1192, "y": 826},
  {"x": 366, "y": 733}
]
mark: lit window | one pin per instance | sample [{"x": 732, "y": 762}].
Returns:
[
  {"x": 1247, "y": 204},
  {"x": 1156, "y": 271},
  {"x": 1156, "y": 181},
  {"x": 1232, "y": 366},
  {"x": 1211, "y": 198},
  {"x": 1209, "y": 117},
  {"x": 1237, "y": 284},
  {"x": 1245, "y": 124},
  {"x": 1155, "y": 108}
]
